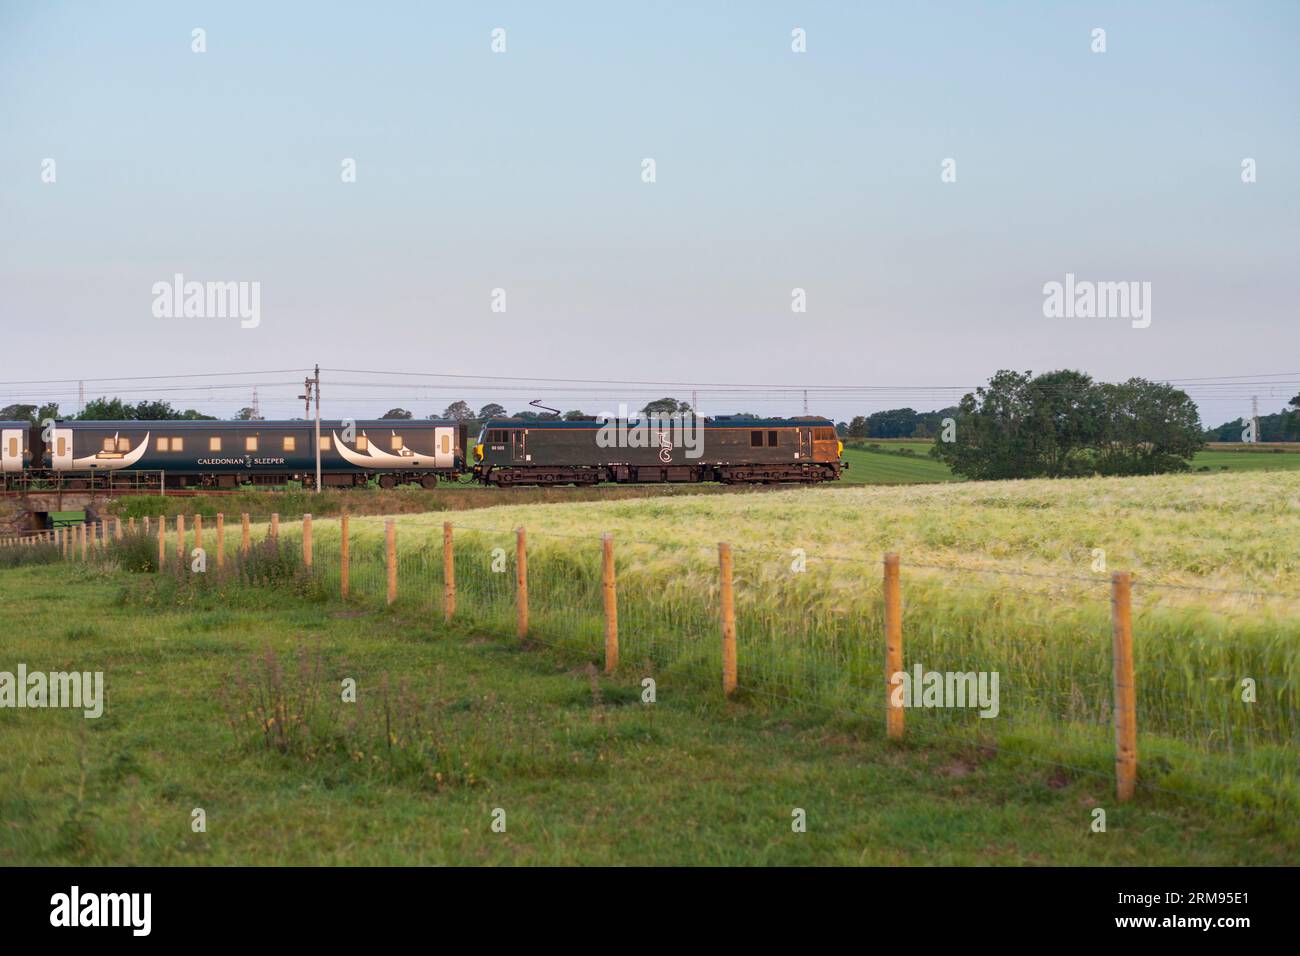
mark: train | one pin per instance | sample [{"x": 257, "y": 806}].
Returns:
[{"x": 507, "y": 452}]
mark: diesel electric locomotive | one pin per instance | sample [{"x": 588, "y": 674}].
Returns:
[{"x": 728, "y": 450}]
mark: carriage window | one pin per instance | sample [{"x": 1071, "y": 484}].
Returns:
[
  {"x": 214, "y": 444},
  {"x": 108, "y": 444},
  {"x": 250, "y": 443},
  {"x": 290, "y": 443},
  {"x": 446, "y": 444},
  {"x": 755, "y": 439},
  {"x": 363, "y": 443},
  {"x": 324, "y": 442},
  {"x": 164, "y": 444},
  {"x": 124, "y": 444},
  {"x": 397, "y": 443},
  {"x": 178, "y": 444},
  {"x": 63, "y": 446},
  {"x": 13, "y": 447},
  {"x": 772, "y": 438}
]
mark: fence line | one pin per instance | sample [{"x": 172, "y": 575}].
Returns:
[{"x": 823, "y": 649}]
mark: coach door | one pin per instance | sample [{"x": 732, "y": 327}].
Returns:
[
  {"x": 61, "y": 449},
  {"x": 519, "y": 444},
  {"x": 444, "y": 452},
  {"x": 11, "y": 449}
]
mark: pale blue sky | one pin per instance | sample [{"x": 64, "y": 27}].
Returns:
[{"x": 775, "y": 170}]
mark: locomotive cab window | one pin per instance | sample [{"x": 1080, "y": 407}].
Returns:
[
  {"x": 755, "y": 439},
  {"x": 772, "y": 438},
  {"x": 290, "y": 443}
]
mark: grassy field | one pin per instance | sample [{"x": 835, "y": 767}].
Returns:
[
  {"x": 884, "y": 465},
  {"x": 451, "y": 726}
]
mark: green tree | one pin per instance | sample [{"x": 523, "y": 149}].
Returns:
[
  {"x": 397, "y": 413},
  {"x": 491, "y": 410},
  {"x": 460, "y": 411},
  {"x": 1150, "y": 428},
  {"x": 858, "y": 427},
  {"x": 106, "y": 410},
  {"x": 666, "y": 406}
]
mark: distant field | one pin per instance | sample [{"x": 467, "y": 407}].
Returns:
[
  {"x": 868, "y": 467},
  {"x": 879, "y": 467},
  {"x": 1247, "y": 460}
]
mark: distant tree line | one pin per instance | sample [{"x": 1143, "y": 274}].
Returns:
[
  {"x": 103, "y": 410},
  {"x": 1279, "y": 426},
  {"x": 1062, "y": 424}
]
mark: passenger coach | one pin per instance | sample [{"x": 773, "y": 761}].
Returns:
[{"x": 225, "y": 454}]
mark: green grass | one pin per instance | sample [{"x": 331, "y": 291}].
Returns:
[
  {"x": 585, "y": 772},
  {"x": 1246, "y": 460},
  {"x": 885, "y": 466}
]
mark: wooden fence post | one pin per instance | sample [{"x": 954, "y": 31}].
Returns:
[
  {"x": 728, "y": 620},
  {"x": 146, "y": 524},
  {"x": 1121, "y": 605},
  {"x": 243, "y": 535},
  {"x": 343, "y": 556},
  {"x": 117, "y": 529},
  {"x": 162, "y": 543},
  {"x": 198, "y": 531},
  {"x": 521, "y": 581},
  {"x": 221, "y": 540},
  {"x": 130, "y": 524},
  {"x": 180, "y": 540},
  {"x": 275, "y": 525},
  {"x": 63, "y": 535},
  {"x": 448, "y": 573},
  {"x": 611, "y": 602},
  {"x": 390, "y": 551},
  {"x": 893, "y": 645},
  {"x": 85, "y": 539},
  {"x": 306, "y": 540}
]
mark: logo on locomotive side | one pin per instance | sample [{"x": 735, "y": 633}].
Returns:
[{"x": 678, "y": 430}]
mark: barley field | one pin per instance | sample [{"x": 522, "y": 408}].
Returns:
[{"x": 1011, "y": 577}]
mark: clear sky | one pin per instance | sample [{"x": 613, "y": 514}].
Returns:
[{"x": 775, "y": 170}]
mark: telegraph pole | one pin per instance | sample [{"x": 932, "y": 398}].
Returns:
[
  {"x": 310, "y": 393},
  {"x": 1254, "y": 416}
]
